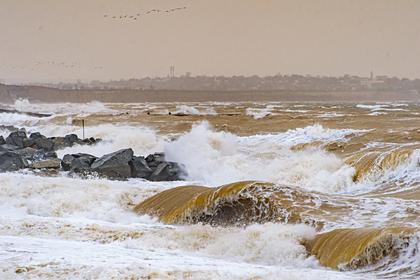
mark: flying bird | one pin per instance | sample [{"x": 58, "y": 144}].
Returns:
[{"x": 138, "y": 14}]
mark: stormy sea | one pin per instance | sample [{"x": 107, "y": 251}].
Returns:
[{"x": 213, "y": 190}]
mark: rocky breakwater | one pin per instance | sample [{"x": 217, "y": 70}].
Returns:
[
  {"x": 37, "y": 152},
  {"x": 18, "y": 151},
  {"x": 123, "y": 164}
]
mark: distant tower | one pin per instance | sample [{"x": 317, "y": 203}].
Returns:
[
  {"x": 371, "y": 75},
  {"x": 171, "y": 71}
]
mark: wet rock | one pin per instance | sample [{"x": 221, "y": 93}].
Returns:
[
  {"x": 79, "y": 163},
  {"x": 66, "y": 162},
  {"x": 155, "y": 159},
  {"x": 90, "y": 141},
  {"x": 115, "y": 165},
  {"x": 38, "y": 141},
  {"x": 58, "y": 143},
  {"x": 8, "y": 147},
  {"x": 2, "y": 141},
  {"x": 71, "y": 139},
  {"x": 10, "y": 161},
  {"x": 43, "y": 143},
  {"x": 16, "y": 138},
  {"x": 29, "y": 153},
  {"x": 28, "y": 142},
  {"x": 53, "y": 163},
  {"x": 167, "y": 171},
  {"x": 51, "y": 154},
  {"x": 36, "y": 135},
  {"x": 140, "y": 168},
  {"x": 10, "y": 128}
]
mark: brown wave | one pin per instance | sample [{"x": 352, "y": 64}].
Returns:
[
  {"x": 367, "y": 161},
  {"x": 347, "y": 249},
  {"x": 250, "y": 202},
  {"x": 241, "y": 203},
  {"x": 376, "y": 161}
]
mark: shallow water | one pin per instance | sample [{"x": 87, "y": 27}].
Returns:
[{"x": 348, "y": 165}]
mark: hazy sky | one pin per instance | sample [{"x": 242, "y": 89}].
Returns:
[{"x": 264, "y": 37}]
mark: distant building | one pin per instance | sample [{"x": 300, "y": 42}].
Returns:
[{"x": 172, "y": 72}]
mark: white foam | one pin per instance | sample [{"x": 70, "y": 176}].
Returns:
[
  {"x": 68, "y": 197},
  {"x": 190, "y": 110},
  {"x": 141, "y": 139},
  {"x": 79, "y": 109},
  {"x": 87, "y": 229},
  {"x": 406, "y": 175},
  {"x": 21, "y": 120},
  {"x": 217, "y": 158},
  {"x": 377, "y": 113},
  {"x": 382, "y": 107},
  {"x": 258, "y": 113},
  {"x": 81, "y": 260},
  {"x": 331, "y": 115}
]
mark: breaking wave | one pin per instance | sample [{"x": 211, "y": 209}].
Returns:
[
  {"x": 215, "y": 158},
  {"x": 190, "y": 110},
  {"x": 258, "y": 113},
  {"x": 233, "y": 204},
  {"x": 82, "y": 109},
  {"x": 387, "y": 251},
  {"x": 243, "y": 203}
]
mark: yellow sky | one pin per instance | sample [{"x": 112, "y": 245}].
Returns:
[{"x": 326, "y": 37}]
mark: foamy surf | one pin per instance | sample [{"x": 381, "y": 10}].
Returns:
[
  {"x": 82, "y": 109},
  {"x": 340, "y": 173}
]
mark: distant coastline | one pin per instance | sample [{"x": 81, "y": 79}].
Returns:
[{"x": 9, "y": 93}]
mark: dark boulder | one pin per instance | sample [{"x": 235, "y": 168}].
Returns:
[
  {"x": 27, "y": 142},
  {"x": 155, "y": 159},
  {"x": 16, "y": 138},
  {"x": 79, "y": 163},
  {"x": 50, "y": 154},
  {"x": 66, "y": 162},
  {"x": 43, "y": 143},
  {"x": 10, "y": 128},
  {"x": 140, "y": 168},
  {"x": 90, "y": 141},
  {"x": 115, "y": 165},
  {"x": 167, "y": 171},
  {"x": 36, "y": 135},
  {"x": 58, "y": 143},
  {"x": 8, "y": 147},
  {"x": 30, "y": 153},
  {"x": 71, "y": 139},
  {"x": 10, "y": 161},
  {"x": 38, "y": 141}
]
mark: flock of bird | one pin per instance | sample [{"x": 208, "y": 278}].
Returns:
[
  {"x": 137, "y": 16},
  {"x": 65, "y": 65},
  {"x": 56, "y": 64}
]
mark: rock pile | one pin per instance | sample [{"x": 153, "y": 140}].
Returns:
[
  {"x": 122, "y": 164},
  {"x": 18, "y": 151},
  {"x": 37, "y": 151}
]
